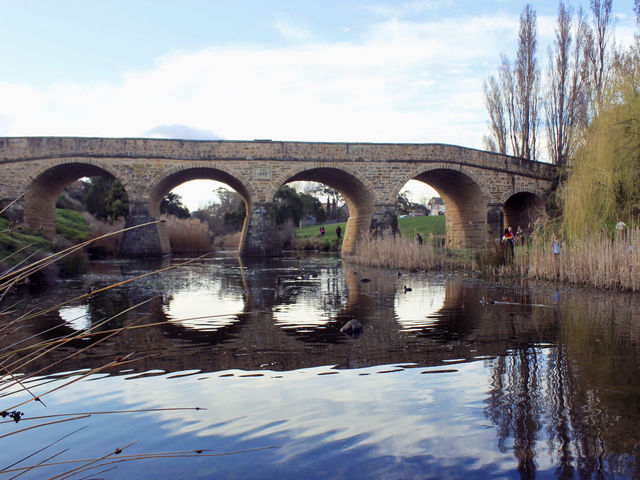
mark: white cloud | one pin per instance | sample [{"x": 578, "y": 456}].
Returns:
[
  {"x": 292, "y": 30},
  {"x": 402, "y": 82}
]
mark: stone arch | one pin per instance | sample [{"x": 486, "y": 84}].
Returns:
[
  {"x": 358, "y": 193},
  {"x": 522, "y": 209},
  {"x": 46, "y": 184},
  {"x": 419, "y": 170},
  {"x": 465, "y": 198},
  {"x": 171, "y": 178}
]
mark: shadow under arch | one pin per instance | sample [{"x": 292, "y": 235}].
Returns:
[
  {"x": 169, "y": 181},
  {"x": 522, "y": 209},
  {"x": 359, "y": 199},
  {"x": 465, "y": 206},
  {"x": 43, "y": 191}
]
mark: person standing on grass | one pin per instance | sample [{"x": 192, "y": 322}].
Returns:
[
  {"x": 338, "y": 231},
  {"x": 322, "y": 232}
]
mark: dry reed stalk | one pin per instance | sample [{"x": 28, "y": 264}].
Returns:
[
  {"x": 187, "y": 235},
  {"x": 398, "y": 252},
  {"x": 102, "y": 244},
  {"x": 231, "y": 240},
  {"x": 597, "y": 260}
]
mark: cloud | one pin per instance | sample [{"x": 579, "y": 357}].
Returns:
[
  {"x": 401, "y": 81},
  {"x": 292, "y": 30},
  {"x": 183, "y": 132}
]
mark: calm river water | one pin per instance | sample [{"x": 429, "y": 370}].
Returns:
[{"x": 448, "y": 376}]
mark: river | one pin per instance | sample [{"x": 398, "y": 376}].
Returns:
[{"x": 444, "y": 375}]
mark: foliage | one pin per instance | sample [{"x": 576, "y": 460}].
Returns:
[
  {"x": 224, "y": 216},
  {"x": 72, "y": 224},
  {"x": 106, "y": 198},
  {"x": 311, "y": 206},
  {"x": 172, "y": 205},
  {"x": 288, "y": 205},
  {"x": 403, "y": 203},
  {"x": 294, "y": 206},
  {"x": 603, "y": 185}
]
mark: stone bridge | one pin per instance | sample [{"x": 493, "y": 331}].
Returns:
[{"x": 482, "y": 191}]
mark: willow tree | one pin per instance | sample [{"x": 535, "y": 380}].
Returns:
[{"x": 603, "y": 186}]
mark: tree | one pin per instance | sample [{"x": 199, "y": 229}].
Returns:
[
  {"x": 288, "y": 205},
  {"x": 596, "y": 50},
  {"x": 311, "y": 206},
  {"x": 527, "y": 86},
  {"x": 106, "y": 198},
  {"x": 493, "y": 100},
  {"x": 225, "y": 215},
  {"x": 403, "y": 203},
  {"x": 603, "y": 185},
  {"x": 117, "y": 203},
  {"x": 566, "y": 101},
  {"x": 512, "y": 100},
  {"x": 171, "y": 204}
]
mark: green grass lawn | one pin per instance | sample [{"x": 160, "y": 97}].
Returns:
[
  {"x": 425, "y": 226},
  {"x": 15, "y": 240},
  {"x": 69, "y": 223},
  {"x": 408, "y": 226}
]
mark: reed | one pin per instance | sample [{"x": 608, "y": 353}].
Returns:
[
  {"x": 599, "y": 260},
  {"x": 400, "y": 252},
  {"x": 19, "y": 375},
  {"x": 101, "y": 244},
  {"x": 187, "y": 235},
  {"x": 230, "y": 240}
]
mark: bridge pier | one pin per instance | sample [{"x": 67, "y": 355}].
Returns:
[
  {"x": 147, "y": 241},
  {"x": 495, "y": 222},
  {"x": 384, "y": 220},
  {"x": 261, "y": 238}
]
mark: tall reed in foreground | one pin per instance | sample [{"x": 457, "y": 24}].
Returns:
[
  {"x": 400, "y": 252},
  {"x": 599, "y": 260},
  {"x": 20, "y": 376}
]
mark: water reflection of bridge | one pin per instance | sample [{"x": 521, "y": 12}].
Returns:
[{"x": 265, "y": 333}]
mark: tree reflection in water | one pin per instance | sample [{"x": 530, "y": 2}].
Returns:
[{"x": 577, "y": 399}]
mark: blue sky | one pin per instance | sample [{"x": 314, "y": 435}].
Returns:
[{"x": 357, "y": 70}]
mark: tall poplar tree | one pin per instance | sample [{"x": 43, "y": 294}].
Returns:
[
  {"x": 566, "y": 98},
  {"x": 513, "y": 100}
]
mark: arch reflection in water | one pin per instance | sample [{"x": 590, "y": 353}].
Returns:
[
  {"x": 418, "y": 310},
  {"x": 77, "y": 317},
  {"x": 206, "y": 309}
]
